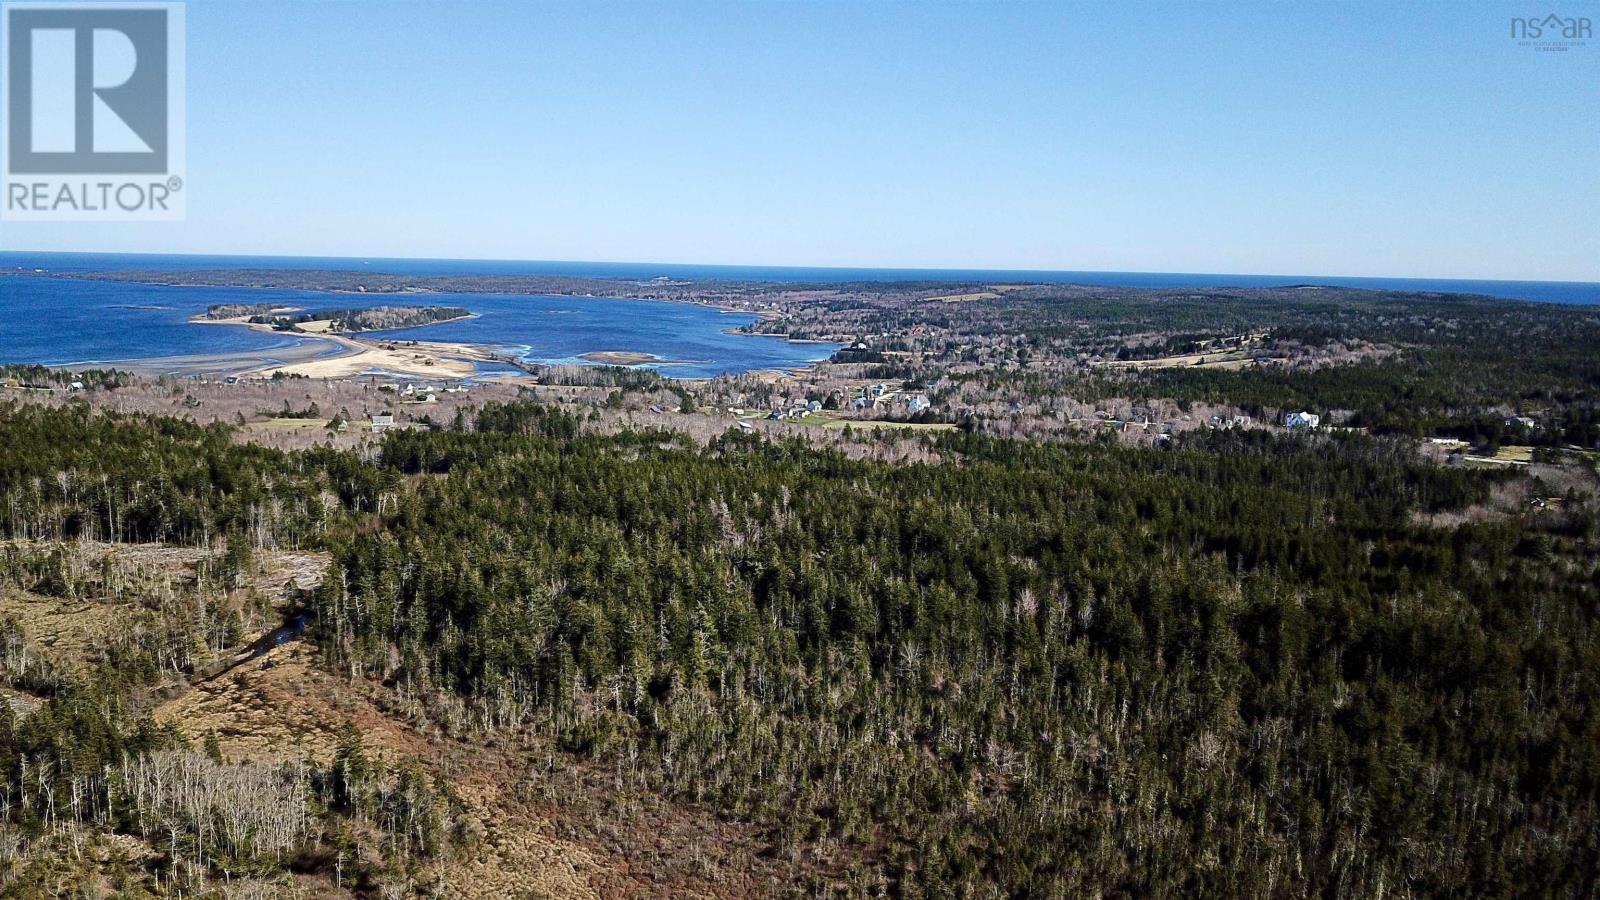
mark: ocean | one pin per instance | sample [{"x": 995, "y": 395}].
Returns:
[
  {"x": 1573, "y": 292},
  {"x": 60, "y": 322},
  {"x": 57, "y": 321}
]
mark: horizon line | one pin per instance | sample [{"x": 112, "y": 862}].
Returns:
[{"x": 797, "y": 267}]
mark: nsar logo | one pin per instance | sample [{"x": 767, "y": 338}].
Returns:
[{"x": 1552, "y": 32}]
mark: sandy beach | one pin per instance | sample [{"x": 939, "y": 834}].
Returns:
[
  {"x": 319, "y": 356},
  {"x": 357, "y": 356},
  {"x": 621, "y": 357}
]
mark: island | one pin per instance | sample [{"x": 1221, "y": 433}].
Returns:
[
  {"x": 335, "y": 321},
  {"x": 314, "y": 357}
]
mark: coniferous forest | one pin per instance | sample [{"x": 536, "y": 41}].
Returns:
[{"x": 1244, "y": 664}]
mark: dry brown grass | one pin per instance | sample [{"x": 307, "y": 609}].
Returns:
[
  {"x": 280, "y": 706},
  {"x": 72, "y": 632},
  {"x": 1514, "y": 453},
  {"x": 515, "y": 860},
  {"x": 67, "y": 633},
  {"x": 1230, "y": 360}
]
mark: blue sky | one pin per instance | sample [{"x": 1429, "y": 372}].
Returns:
[{"x": 1406, "y": 139}]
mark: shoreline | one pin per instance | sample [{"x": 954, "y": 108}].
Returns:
[
  {"x": 350, "y": 356},
  {"x": 622, "y": 357},
  {"x": 323, "y": 354}
]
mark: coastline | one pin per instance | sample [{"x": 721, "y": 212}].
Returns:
[
  {"x": 310, "y": 351},
  {"x": 347, "y": 356},
  {"x": 350, "y": 355}
]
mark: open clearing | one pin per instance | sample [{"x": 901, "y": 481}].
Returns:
[
  {"x": 875, "y": 424},
  {"x": 992, "y": 292},
  {"x": 1230, "y": 360},
  {"x": 286, "y": 426},
  {"x": 1514, "y": 453}
]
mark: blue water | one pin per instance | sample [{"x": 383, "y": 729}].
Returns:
[
  {"x": 1577, "y": 292},
  {"x": 59, "y": 321}
]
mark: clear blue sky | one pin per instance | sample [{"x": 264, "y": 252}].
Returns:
[{"x": 1283, "y": 138}]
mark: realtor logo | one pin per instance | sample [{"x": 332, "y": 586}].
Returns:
[{"x": 93, "y": 108}]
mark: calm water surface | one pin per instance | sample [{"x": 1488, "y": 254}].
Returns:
[{"x": 57, "y": 321}]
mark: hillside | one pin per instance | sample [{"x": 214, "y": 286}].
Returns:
[{"x": 626, "y": 665}]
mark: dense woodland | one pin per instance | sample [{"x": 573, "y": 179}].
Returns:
[
  {"x": 1245, "y": 665},
  {"x": 374, "y": 318}
]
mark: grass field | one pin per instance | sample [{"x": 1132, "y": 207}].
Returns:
[
  {"x": 910, "y": 426},
  {"x": 1229, "y": 360},
  {"x": 282, "y": 426}
]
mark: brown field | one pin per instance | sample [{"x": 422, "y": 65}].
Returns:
[
  {"x": 68, "y": 633},
  {"x": 875, "y": 424},
  {"x": 1230, "y": 360},
  {"x": 287, "y": 426},
  {"x": 1514, "y": 453}
]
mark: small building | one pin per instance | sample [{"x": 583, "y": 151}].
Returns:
[
  {"x": 75, "y": 386},
  {"x": 1520, "y": 422},
  {"x": 814, "y": 406},
  {"x": 1301, "y": 420},
  {"x": 382, "y": 423},
  {"x": 917, "y": 402}
]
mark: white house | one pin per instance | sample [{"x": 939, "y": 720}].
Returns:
[
  {"x": 1301, "y": 420},
  {"x": 382, "y": 423}
]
